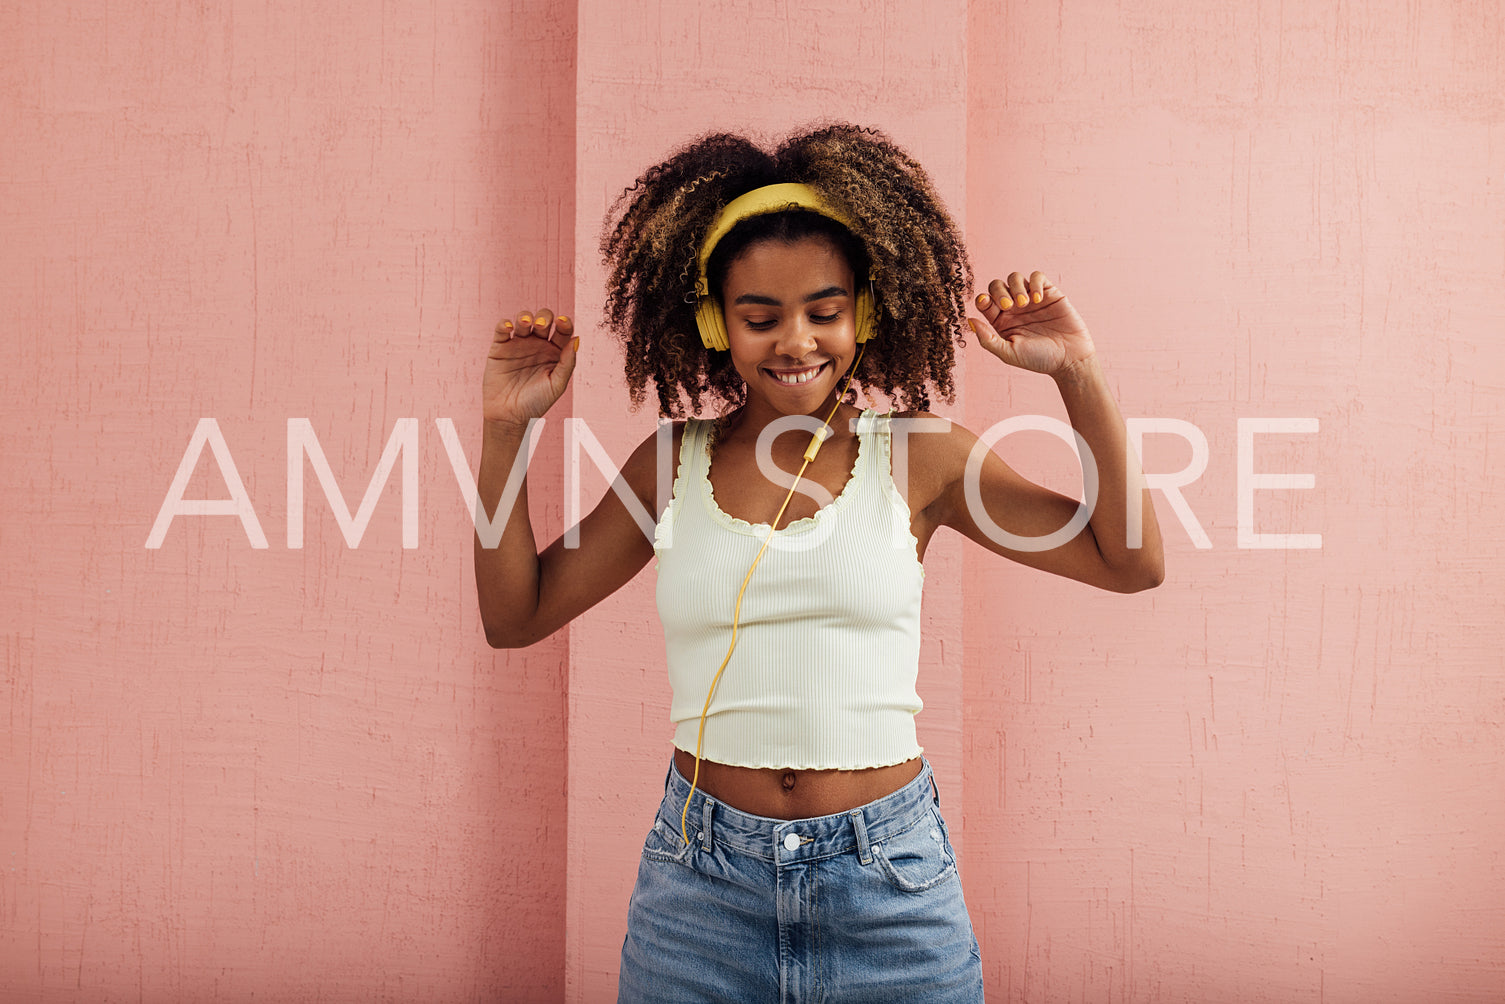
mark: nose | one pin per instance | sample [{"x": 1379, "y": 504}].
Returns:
[{"x": 797, "y": 339}]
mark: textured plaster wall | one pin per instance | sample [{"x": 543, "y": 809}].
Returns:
[
  {"x": 227, "y": 771},
  {"x": 1277, "y": 777}
]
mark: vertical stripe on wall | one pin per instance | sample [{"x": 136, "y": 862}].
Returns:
[{"x": 650, "y": 80}]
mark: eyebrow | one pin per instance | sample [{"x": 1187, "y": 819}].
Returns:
[{"x": 768, "y": 301}]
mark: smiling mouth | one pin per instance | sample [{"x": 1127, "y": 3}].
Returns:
[{"x": 794, "y": 377}]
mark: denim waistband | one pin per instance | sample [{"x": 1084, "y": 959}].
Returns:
[{"x": 786, "y": 841}]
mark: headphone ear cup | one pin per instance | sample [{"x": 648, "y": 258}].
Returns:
[
  {"x": 712, "y": 323},
  {"x": 867, "y": 313}
]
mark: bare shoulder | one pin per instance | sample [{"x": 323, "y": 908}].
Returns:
[
  {"x": 936, "y": 443},
  {"x": 932, "y": 451}
]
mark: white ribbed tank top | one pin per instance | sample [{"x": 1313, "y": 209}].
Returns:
[{"x": 823, "y": 676}]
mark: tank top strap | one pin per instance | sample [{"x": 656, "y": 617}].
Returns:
[
  {"x": 692, "y": 452},
  {"x": 877, "y": 447},
  {"x": 691, "y": 471}
]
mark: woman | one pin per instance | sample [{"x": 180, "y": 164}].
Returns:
[{"x": 799, "y": 853}]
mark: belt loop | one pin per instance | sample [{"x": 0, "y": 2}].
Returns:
[
  {"x": 859, "y": 827},
  {"x": 705, "y": 825}
]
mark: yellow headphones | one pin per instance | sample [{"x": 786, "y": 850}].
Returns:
[{"x": 709, "y": 316}]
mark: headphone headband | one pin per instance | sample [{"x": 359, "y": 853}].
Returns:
[{"x": 759, "y": 202}]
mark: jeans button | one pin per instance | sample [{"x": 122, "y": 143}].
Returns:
[{"x": 791, "y": 841}]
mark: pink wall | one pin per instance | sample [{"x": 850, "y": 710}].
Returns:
[
  {"x": 1278, "y": 777},
  {"x": 300, "y": 772}
]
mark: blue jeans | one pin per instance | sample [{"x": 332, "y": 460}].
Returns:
[{"x": 863, "y": 906}]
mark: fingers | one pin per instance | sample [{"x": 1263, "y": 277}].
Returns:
[
  {"x": 527, "y": 324},
  {"x": 1016, "y": 288},
  {"x": 1007, "y": 293},
  {"x": 541, "y": 324},
  {"x": 568, "y": 354},
  {"x": 1015, "y": 291}
]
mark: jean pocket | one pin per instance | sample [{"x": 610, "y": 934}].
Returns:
[
  {"x": 917, "y": 859},
  {"x": 664, "y": 843}
]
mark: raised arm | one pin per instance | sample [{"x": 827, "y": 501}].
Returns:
[
  {"x": 524, "y": 595},
  {"x": 1031, "y": 325}
]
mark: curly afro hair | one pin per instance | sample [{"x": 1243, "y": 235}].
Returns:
[{"x": 903, "y": 237}]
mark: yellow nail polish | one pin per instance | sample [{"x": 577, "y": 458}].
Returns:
[
  {"x": 1037, "y": 297},
  {"x": 561, "y": 319},
  {"x": 1021, "y": 300},
  {"x": 575, "y": 344}
]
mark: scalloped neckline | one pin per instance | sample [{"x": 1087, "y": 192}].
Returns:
[{"x": 857, "y": 473}]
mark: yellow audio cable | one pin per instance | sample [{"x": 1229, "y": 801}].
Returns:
[{"x": 816, "y": 440}]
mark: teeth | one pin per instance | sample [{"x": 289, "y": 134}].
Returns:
[{"x": 801, "y": 377}]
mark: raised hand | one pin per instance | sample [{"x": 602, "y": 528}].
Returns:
[
  {"x": 1032, "y": 325},
  {"x": 528, "y": 366}
]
